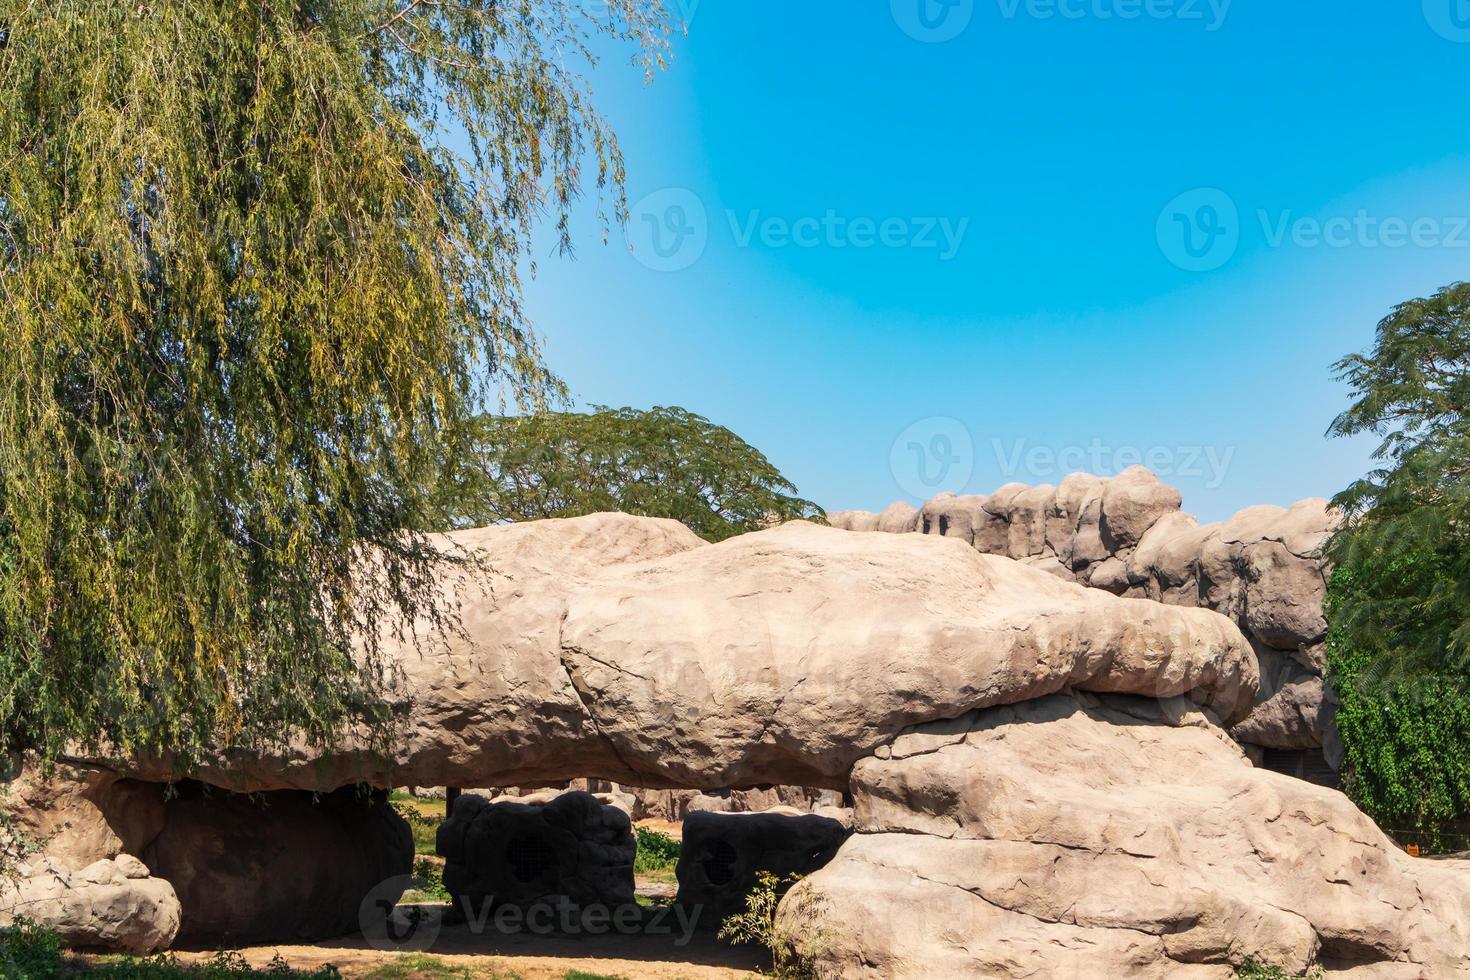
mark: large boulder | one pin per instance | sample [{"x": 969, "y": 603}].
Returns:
[
  {"x": 1074, "y": 837},
  {"x": 572, "y": 848},
  {"x": 723, "y": 855},
  {"x": 786, "y": 656},
  {"x": 112, "y": 903},
  {"x": 85, "y": 882}
]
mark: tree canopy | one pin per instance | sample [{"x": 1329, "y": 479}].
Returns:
[
  {"x": 259, "y": 262},
  {"x": 1399, "y": 593},
  {"x": 666, "y": 462}
]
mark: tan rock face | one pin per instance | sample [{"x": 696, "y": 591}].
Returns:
[
  {"x": 1086, "y": 837},
  {"x": 625, "y": 649},
  {"x": 1126, "y": 535},
  {"x": 787, "y": 655},
  {"x": 86, "y": 883}
]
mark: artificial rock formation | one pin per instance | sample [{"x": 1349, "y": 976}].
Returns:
[
  {"x": 1127, "y": 535},
  {"x": 1041, "y": 773},
  {"x": 724, "y": 853},
  {"x": 86, "y": 882},
  {"x": 572, "y": 848},
  {"x": 780, "y": 657},
  {"x": 1079, "y": 836},
  {"x": 128, "y": 865}
]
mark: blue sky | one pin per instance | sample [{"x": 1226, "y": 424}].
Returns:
[{"x": 904, "y": 253}]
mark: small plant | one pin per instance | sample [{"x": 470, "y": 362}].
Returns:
[
  {"x": 1254, "y": 969},
  {"x": 757, "y": 924},
  {"x": 423, "y": 826},
  {"x": 430, "y": 878},
  {"x": 29, "y": 953},
  {"x": 657, "y": 852}
]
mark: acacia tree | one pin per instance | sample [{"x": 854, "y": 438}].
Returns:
[
  {"x": 666, "y": 462},
  {"x": 259, "y": 261},
  {"x": 1399, "y": 595}
]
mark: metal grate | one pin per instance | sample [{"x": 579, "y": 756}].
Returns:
[
  {"x": 719, "y": 863},
  {"x": 529, "y": 858}
]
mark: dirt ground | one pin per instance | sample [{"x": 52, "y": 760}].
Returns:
[{"x": 530, "y": 957}]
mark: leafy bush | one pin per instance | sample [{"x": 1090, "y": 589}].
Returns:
[
  {"x": 29, "y": 953},
  {"x": 656, "y": 851},
  {"x": 430, "y": 879},
  {"x": 791, "y": 956},
  {"x": 1404, "y": 739}
]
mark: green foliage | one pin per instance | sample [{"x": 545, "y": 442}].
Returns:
[
  {"x": 657, "y": 852},
  {"x": 30, "y": 953},
  {"x": 666, "y": 462},
  {"x": 1399, "y": 596},
  {"x": 791, "y": 956},
  {"x": 1253, "y": 969},
  {"x": 1413, "y": 513},
  {"x": 1406, "y": 764},
  {"x": 429, "y": 880},
  {"x": 249, "y": 294}
]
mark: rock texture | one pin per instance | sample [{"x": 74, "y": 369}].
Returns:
[
  {"x": 1081, "y": 836},
  {"x": 112, "y": 903},
  {"x": 1127, "y": 536},
  {"x": 786, "y": 656},
  {"x": 724, "y": 853},
  {"x": 780, "y": 657},
  {"x": 572, "y": 848},
  {"x": 86, "y": 882}
]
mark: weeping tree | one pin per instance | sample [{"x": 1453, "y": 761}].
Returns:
[
  {"x": 1399, "y": 595},
  {"x": 665, "y": 462},
  {"x": 260, "y": 260}
]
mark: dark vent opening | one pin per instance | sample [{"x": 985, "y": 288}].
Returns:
[
  {"x": 719, "y": 863},
  {"x": 529, "y": 858}
]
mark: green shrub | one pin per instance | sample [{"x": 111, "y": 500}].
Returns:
[
  {"x": 1404, "y": 739},
  {"x": 656, "y": 851},
  {"x": 791, "y": 955},
  {"x": 29, "y": 953}
]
